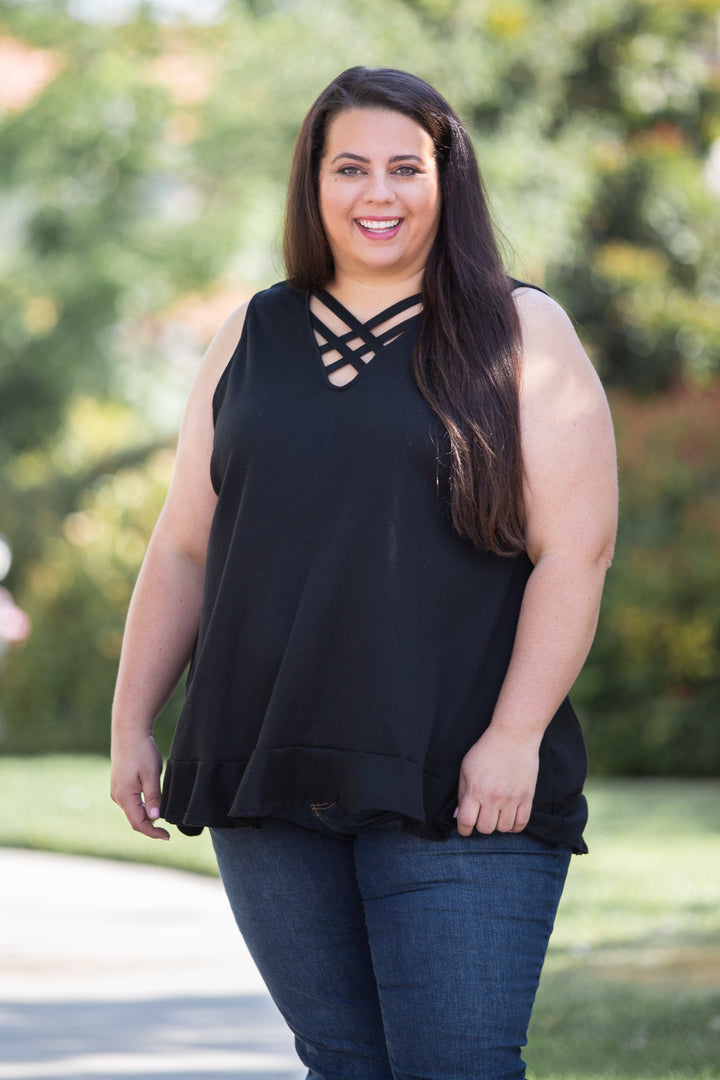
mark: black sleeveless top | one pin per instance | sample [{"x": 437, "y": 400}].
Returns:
[{"x": 351, "y": 645}]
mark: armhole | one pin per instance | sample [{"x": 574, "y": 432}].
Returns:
[
  {"x": 219, "y": 394},
  {"x": 221, "y": 388}
]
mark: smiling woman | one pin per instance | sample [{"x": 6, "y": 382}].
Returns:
[{"x": 384, "y": 548}]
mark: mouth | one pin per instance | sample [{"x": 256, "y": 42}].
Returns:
[{"x": 379, "y": 228}]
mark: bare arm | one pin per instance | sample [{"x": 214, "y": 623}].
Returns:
[
  {"x": 570, "y": 493},
  {"x": 165, "y": 607}
]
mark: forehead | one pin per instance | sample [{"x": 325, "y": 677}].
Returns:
[{"x": 376, "y": 132}]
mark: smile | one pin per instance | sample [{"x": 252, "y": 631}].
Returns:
[{"x": 379, "y": 227}]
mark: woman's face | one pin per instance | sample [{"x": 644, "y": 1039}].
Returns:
[{"x": 379, "y": 194}]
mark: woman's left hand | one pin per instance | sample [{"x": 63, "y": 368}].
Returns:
[{"x": 497, "y": 783}]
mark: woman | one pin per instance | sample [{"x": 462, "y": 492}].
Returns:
[{"x": 384, "y": 546}]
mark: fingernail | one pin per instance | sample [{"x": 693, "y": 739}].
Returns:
[
  {"x": 153, "y": 813},
  {"x": 457, "y": 811}
]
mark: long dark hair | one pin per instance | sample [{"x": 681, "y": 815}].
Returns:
[{"x": 466, "y": 361}]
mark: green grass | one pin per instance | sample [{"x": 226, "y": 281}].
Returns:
[
  {"x": 631, "y": 989},
  {"x": 62, "y": 803}
]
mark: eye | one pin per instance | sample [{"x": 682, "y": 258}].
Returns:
[
  {"x": 349, "y": 170},
  {"x": 407, "y": 170}
]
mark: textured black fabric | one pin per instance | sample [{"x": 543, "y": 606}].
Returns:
[{"x": 351, "y": 644}]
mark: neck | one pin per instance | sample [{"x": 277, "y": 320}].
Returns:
[{"x": 365, "y": 296}]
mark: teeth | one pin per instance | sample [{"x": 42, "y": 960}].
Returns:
[{"x": 379, "y": 226}]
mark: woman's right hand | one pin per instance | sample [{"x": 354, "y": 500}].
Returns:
[{"x": 135, "y": 784}]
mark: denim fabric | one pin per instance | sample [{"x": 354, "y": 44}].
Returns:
[{"x": 394, "y": 957}]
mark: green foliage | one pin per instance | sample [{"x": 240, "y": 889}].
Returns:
[
  {"x": 648, "y": 294},
  {"x": 77, "y": 593},
  {"x": 650, "y": 689},
  {"x": 77, "y": 166}
]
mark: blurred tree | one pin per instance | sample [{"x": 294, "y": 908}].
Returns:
[
  {"x": 648, "y": 289},
  {"x": 106, "y": 221},
  {"x": 77, "y": 164}
]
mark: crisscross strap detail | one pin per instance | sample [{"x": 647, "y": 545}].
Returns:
[{"x": 358, "y": 345}]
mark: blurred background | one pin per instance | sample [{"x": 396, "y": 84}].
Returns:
[{"x": 144, "y": 150}]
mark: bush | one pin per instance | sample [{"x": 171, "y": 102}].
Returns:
[
  {"x": 57, "y": 691},
  {"x": 650, "y": 692}
]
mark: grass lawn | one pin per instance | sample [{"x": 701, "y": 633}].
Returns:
[{"x": 631, "y": 989}]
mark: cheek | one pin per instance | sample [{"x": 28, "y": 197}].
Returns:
[
  {"x": 332, "y": 201},
  {"x": 431, "y": 210},
  {"x": 427, "y": 202}
]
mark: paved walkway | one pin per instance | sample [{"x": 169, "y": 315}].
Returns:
[{"x": 110, "y": 970}]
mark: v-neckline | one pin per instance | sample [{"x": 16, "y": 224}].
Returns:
[{"x": 357, "y": 339}]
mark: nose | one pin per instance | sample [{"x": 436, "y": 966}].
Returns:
[{"x": 379, "y": 187}]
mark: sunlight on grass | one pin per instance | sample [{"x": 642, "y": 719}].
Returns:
[
  {"x": 632, "y": 982},
  {"x": 653, "y": 874}
]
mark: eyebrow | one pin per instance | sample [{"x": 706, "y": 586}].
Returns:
[{"x": 366, "y": 161}]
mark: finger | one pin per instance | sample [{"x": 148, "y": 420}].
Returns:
[
  {"x": 467, "y": 815},
  {"x": 487, "y": 821},
  {"x": 151, "y": 792},
  {"x": 522, "y": 817},
  {"x": 506, "y": 819},
  {"x": 135, "y": 811},
  {"x": 155, "y": 832},
  {"x": 149, "y": 826}
]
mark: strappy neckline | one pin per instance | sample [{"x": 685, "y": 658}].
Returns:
[{"x": 357, "y": 347}]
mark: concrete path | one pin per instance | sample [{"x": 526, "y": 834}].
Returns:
[{"x": 110, "y": 970}]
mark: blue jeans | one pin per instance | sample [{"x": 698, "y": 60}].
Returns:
[{"x": 393, "y": 957}]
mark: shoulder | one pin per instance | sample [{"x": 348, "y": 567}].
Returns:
[
  {"x": 552, "y": 355},
  {"x": 222, "y": 347},
  {"x": 541, "y": 317},
  {"x": 568, "y": 448},
  {"x": 562, "y": 401}
]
